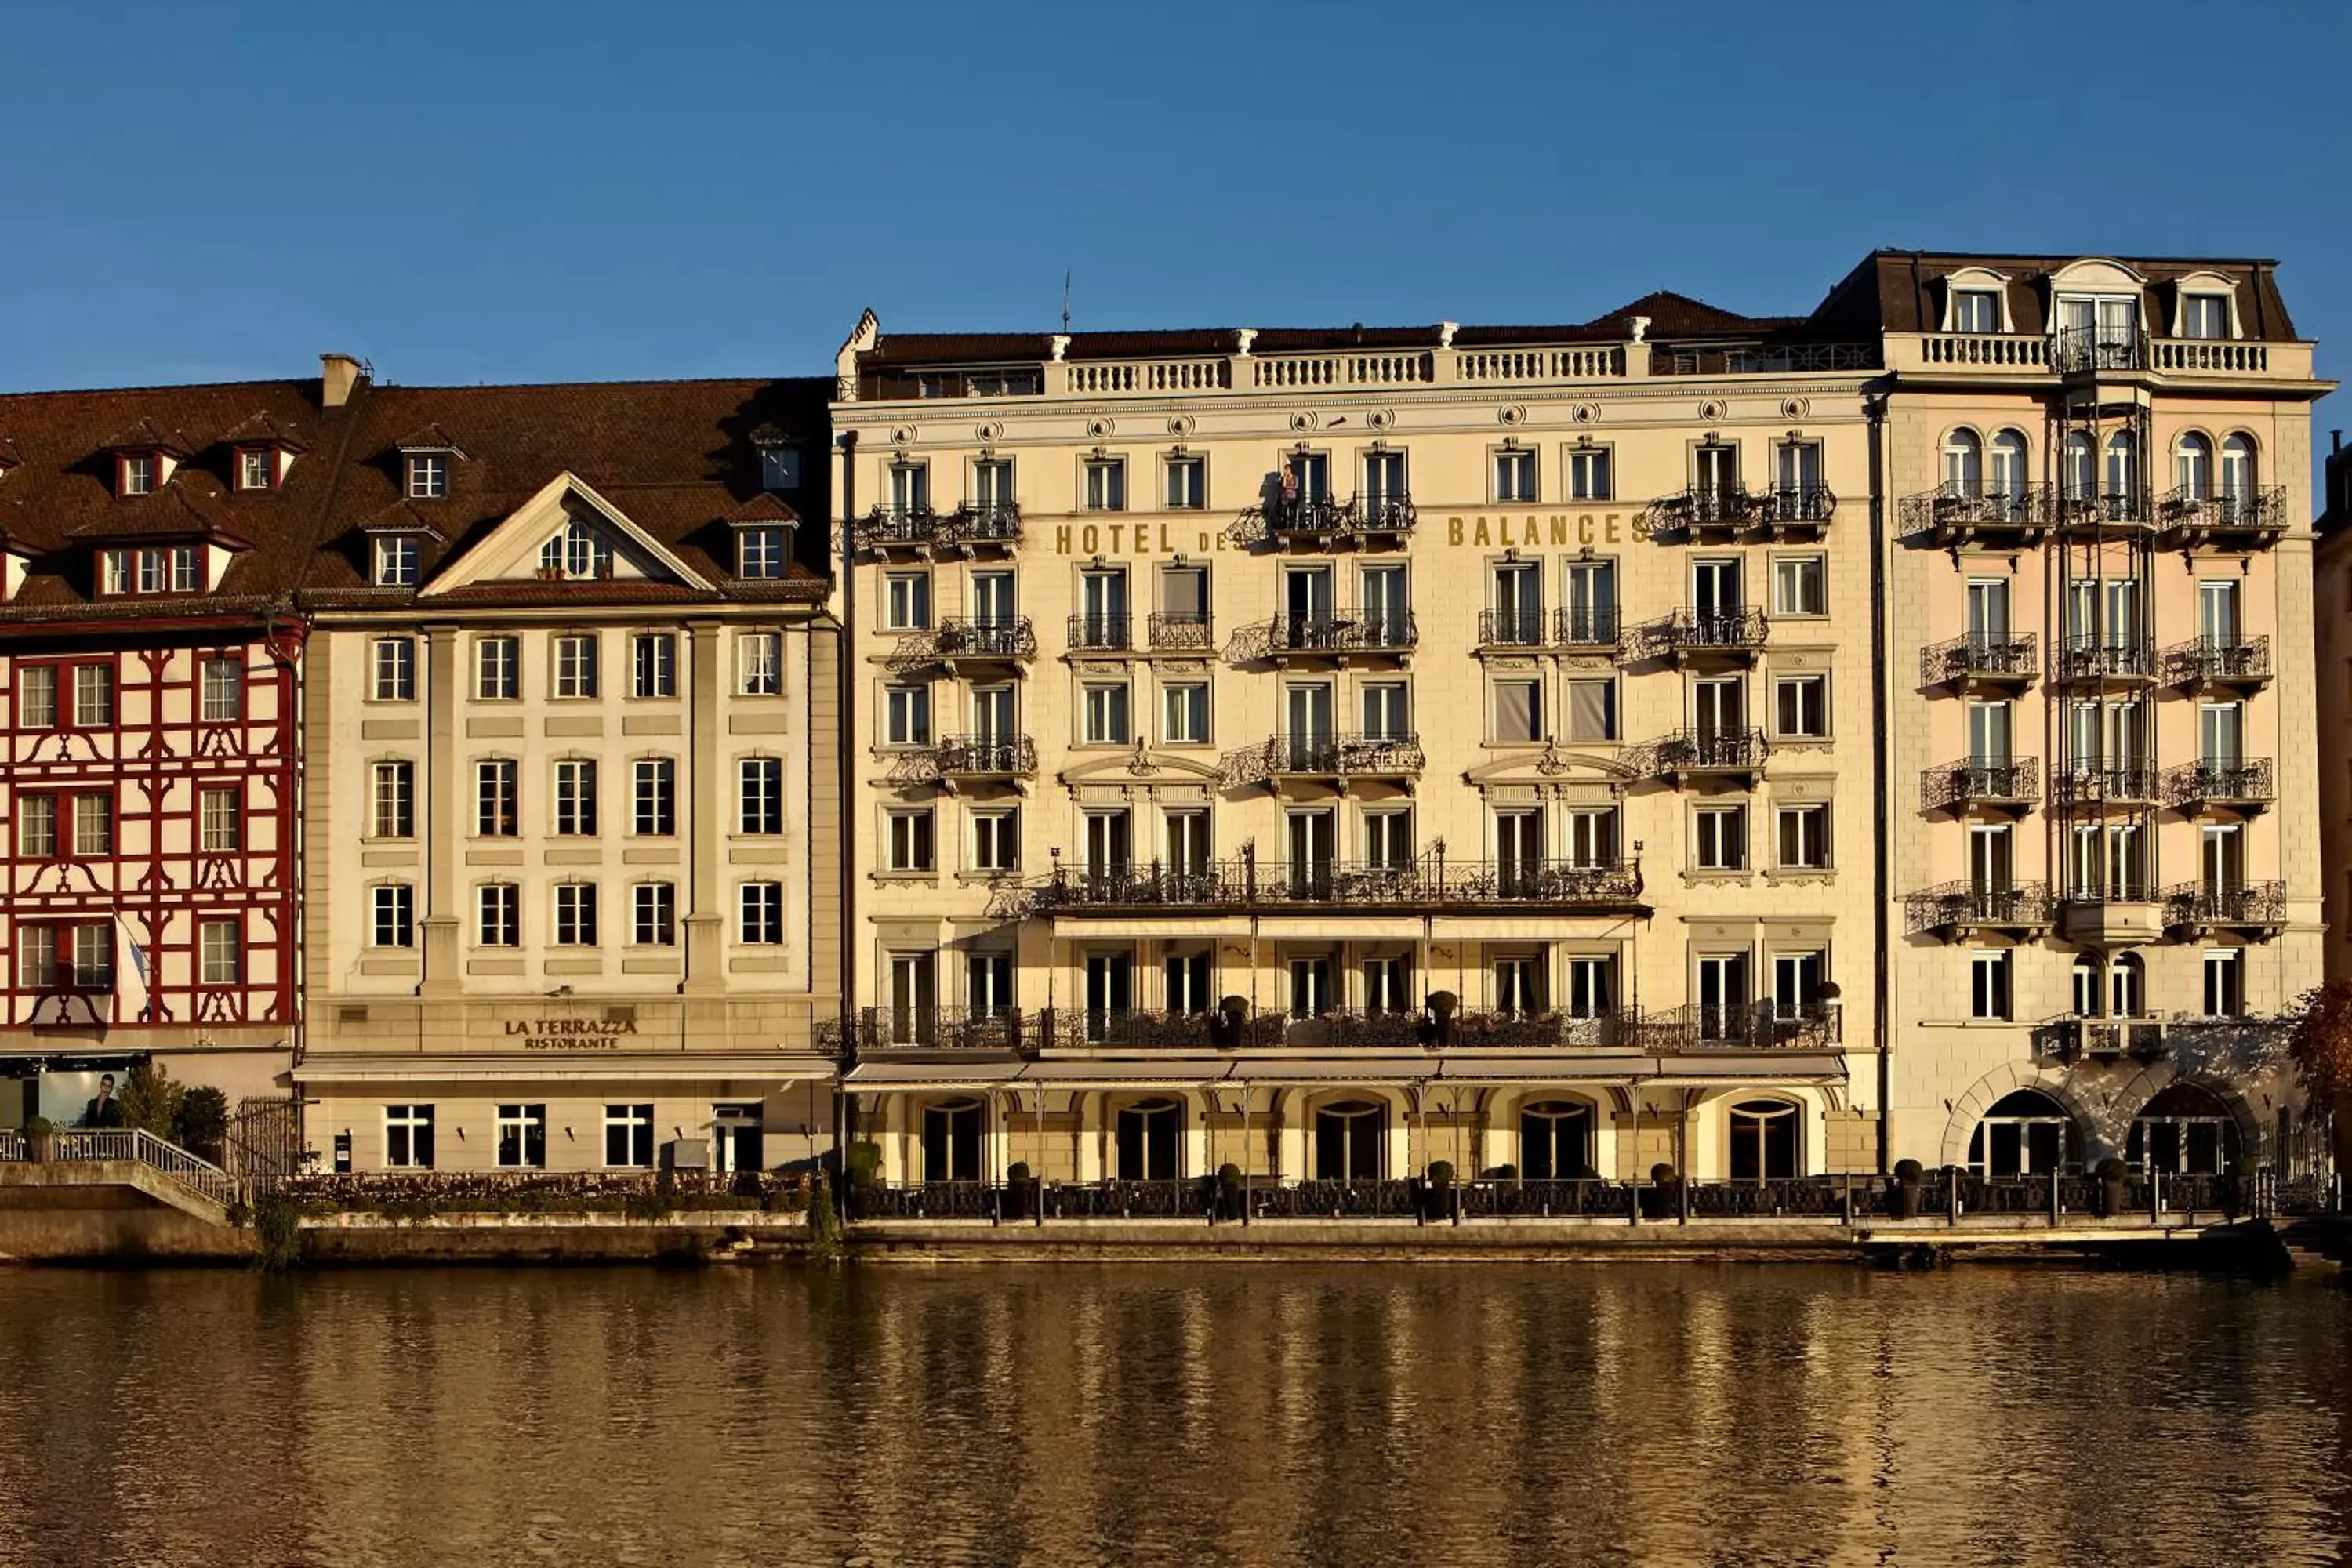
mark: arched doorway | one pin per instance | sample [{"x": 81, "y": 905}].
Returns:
[
  {"x": 1147, "y": 1141},
  {"x": 1763, "y": 1140},
  {"x": 1554, "y": 1139},
  {"x": 1350, "y": 1139},
  {"x": 2026, "y": 1134},
  {"x": 2184, "y": 1131},
  {"x": 951, "y": 1140}
]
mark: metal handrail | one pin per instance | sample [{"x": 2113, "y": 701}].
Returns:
[
  {"x": 139, "y": 1145},
  {"x": 1690, "y": 630},
  {"x": 1972, "y": 779},
  {"x": 2208, "y": 660},
  {"x": 888, "y": 524},
  {"x": 1343, "y": 631},
  {"x": 1949, "y": 905},
  {"x": 2086, "y": 655},
  {"x": 2229, "y": 903},
  {"x": 981, "y": 522},
  {"x": 2097, "y": 348},
  {"x": 1182, "y": 630},
  {"x": 2010, "y": 656},
  {"x": 2210, "y": 780},
  {"x": 1428, "y": 881},
  {"x": 1795, "y": 503},
  {"x": 2087, "y": 783},
  {"x": 2251, "y": 510},
  {"x": 1681, "y": 751},
  {"x": 1100, "y": 633},
  {"x": 966, "y": 636},
  {"x": 1958, "y": 508}
]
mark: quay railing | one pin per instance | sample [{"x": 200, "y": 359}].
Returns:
[{"x": 133, "y": 1144}]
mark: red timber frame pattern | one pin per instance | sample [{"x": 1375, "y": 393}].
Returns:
[{"x": 155, "y": 761}]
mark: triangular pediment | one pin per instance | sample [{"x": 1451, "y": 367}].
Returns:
[
  {"x": 515, "y": 549},
  {"x": 1142, "y": 765}
]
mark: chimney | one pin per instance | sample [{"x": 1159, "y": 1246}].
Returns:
[
  {"x": 2335, "y": 440},
  {"x": 338, "y": 374}
]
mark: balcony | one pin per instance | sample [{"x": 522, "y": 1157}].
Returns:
[
  {"x": 1584, "y": 629},
  {"x": 2106, "y": 662},
  {"x": 1761, "y": 1025},
  {"x": 898, "y": 530},
  {"x": 2086, "y": 351},
  {"x": 1608, "y": 1028},
  {"x": 1801, "y": 511},
  {"x": 2073, "y": 1040},
  {"x": 962, "y": 641},
  {"x": 980, "y": 525},
  {"x": 2126, "y": 914},
  {"x": 2093, "y": 786},
  {"x": 1101, "y": 633},
  {"x": 1430, "y": 884},
  {"x": 1981, "y": 661},
  {"x": 1958, "y": 910},
  {"x": 2247, "y": 909},
  {"x": 2012, "y": 784},
  {"x": 2107, "y": 513},
  {"x": 1322, "y": 523},
  {"x": 2240, "y": 788},
  {"x": 943, "y": 1028},
  {"x": 1109, "y": 1028},
  {"x": 1702, "y": 513},
  {"x": 984, "y": 759},
  {"x": 1690, "y": 756},
  {"x": 1336, "y": 760},
  {"x": 1953, "y": 515},
  {"x": 1337, "y": 636},
  {"x": 2207, "y": 664},
  {"x": 2236, "y": 519},
  {"x": 1693, "y": 636},
  {"x": 1182, "y": 631}
]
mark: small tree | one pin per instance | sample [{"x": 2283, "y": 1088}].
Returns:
[
  {"x": 201, "y": 1123},
  {"x": 151, "y": 1101},
  {"x": 2320, "y": 1045}
]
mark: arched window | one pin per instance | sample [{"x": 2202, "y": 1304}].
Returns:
[
  {"x": 2127, "y": 987},
  {"x": 2008, "y": 475},
  {"x": 1348, "y": 1139},
  {"x": 2026, "y": 1134},
  {"x": 578, "y": 553},
  {"x": 2236, "y": 471},
  {"x": 2192, "y": 466},
  {"x": 2184, "y": 1131},
  {"x": 1555, "y": 1141},
  {"x": 2086, "y": 985},
  {"x": 1763, "y": 1140},
  {"x": 2122, "y": 485},
  {"x": 1148, "y": 1141},
  {"x": 2082, "y": 474},
  {"x": 951, "y": 1140},
  {"x": 1963, "y": 464}
]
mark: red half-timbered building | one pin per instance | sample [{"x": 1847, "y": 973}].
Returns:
[{"x": 150, "y": 804}]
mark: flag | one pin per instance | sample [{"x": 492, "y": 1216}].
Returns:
[{"x": 129, "y": 976}]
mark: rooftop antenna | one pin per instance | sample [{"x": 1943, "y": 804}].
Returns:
[{"x": 1065, "y": 301}]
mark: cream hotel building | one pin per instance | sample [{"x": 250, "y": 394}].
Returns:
[{"x": 1764, "y": 746}]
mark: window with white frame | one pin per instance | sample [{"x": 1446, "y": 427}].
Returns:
[
  {"x": 575, "y": 797},
  {"x": 394, "y": 664},
  {"x": 408, "y": 1137},
  {"x": 36, "y": 827},
  {"x": 629, "y": 1137},
  {"x": 392, "y": 800},
  {"x": 1515, "y": 475},
  {"x": 1989, "y": 983},
  {"x": 575, "y": 914},
  {"x": 498, "y": 908},
  {"x": 579, "y": 552},
  {"x": 1804, "y": 837},
  {"x": 1184, "y": 713},
  {"x": 1720, "y": 836},
  {"x": 907, "y": 715},
  {"x": 761, "y": 795},
  {"x": 93, "y": 957},
  {"x": 1592, "y": 709},
  {"x": 910, "y": 488},
  {"x": 653, "y": 664},
  {"x": 907, "y": 841},
  {"x": 137, "y": 472},
  {"x": 1103, "y": 486},
  {"x": 1519, "y": 711},
  {"x": 219, "y": 822},
  {"x": 1591, "y": 475},
  {"x": 1976, "y": 310},
  {"x": 392, "y": 915},
  {"x": 1188, "y": 482},
  {"x": 37, "y": 696},
  {"x": 996, "y": 841},
  {"x": 652, "y": 914},
  {"x": 1800, "y": 586},
  {"x": 759, "y": 664},
  {"x": 1189, "y": 848},
  {"x": 37, "y": 957},
  {"x": 2225, "y": 983},
  {"x": 521, "y": 1132},
  {"x": 1800, "y": 706},
  {"x": 224, "y": 690},
  {"x": 762, "y": 914},
  {"x": 497, "y": 806},
  {"x": 991, "y": 486},
  {"x": 93, "y": 824},
  {"x": 906, "y": 601},
  {"x": 762, "y": 552},
  {"x": 93, "y": 695},
  {"x": 397, "y": 557},
  {"x": 1388, "y": 838},
  {"x": 498, "y": 669},
  {"x": 2204, "y": 315},
  {"x": 1103, "y": 713},
  {"x": 220, "y": 952},
  {"x": 428, "y": 476},
  {"x": 575, "y": 664},
  {"x": 654, "y": 796}
]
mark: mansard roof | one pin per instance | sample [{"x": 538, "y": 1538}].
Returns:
[{"x": 1902, "y": 291}]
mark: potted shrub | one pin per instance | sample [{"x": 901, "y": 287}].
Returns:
[
  {"x": 1663, "y": 1199},
  {"x": 1437, "y": 1190},
  {"x": 2112, "y": 1175},
  {"x": 40, "y": 1135},
  {"x": 1019, "y": 1185},
  {"x": 1907, "y": 1176},
  {"x": 1229, "y": 1191}
]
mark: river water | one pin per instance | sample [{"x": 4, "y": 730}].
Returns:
[{"x": 1232, "y": 1413}]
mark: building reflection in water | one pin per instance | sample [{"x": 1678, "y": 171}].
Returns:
[{"x": 1146, "y": 1414}]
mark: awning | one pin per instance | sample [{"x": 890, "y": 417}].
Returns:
[{"x": 790, "y": 1066}]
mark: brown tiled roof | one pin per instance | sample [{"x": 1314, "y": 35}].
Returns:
[
  {"x": 188, "y": 505},
  {"x": 143, "y": 436},
  {"x": 1900, "y": 290},
  {"x": 8, "y": 457},
  {"x": 764, "y": 507},
  {"x": 676, "y": 458},
  {"x": 261, "y": 429},
  {"x": 432, "y": 439},
  {"x": 402, "y": 517}
]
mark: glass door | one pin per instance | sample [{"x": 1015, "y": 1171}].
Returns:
[
  {"x": 1110, "y": 993},
  {"x": 2217, "y": 612},
  {"x": 1110, "y": 852},
  {"x": 1384, "y": 489},
  {"x": 1592, "y": 986},
  {"x": 1592, "y": 602},
  {"x": 1518, "y": 603},
  {"x": 1313, "y": 843},
  {"x": 1307, "y": 607},
  {"x": 1387, "y": 613},
  {"x": 2221, "y": 858},
  {"x": 1310, "y": 987},
  {"x": 1989, "y": 735},
  {"x": 1102, "y": 609},
  {"x": 1592, "y": 839},
  {"x": 1306, "y": 726},
  {"x": 1519, "y": 985},
  {"x": 1518, "y": 852},
  {"x": 1723, "y": 997},
  {"x": 1715, "y": 590},
  {"x": 913, "y": 1000},
  {"x": 1988, "y": 614},
  {"x": 993, "y": 605}
]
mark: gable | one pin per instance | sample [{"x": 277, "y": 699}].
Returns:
[{"x": 586, "y": 537}]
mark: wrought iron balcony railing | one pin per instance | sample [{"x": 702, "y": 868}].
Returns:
[
  {"x": 2243, "y": 783},
  {"x": 1795, "y": 505},
  {"x": 966, "y": 637},
  {"x": 2206, "y": 661},
  {"x": 2191, "y": 514},
  {"x": 1693, "y": 632},
  {"x": 1698, "y": 752},
  {"x": 1182, "y": 630},
  {"x": 981, "y": 522},
  {"x": 2208, "y": 904},
  {"x": 1702, "y": 508},
  {"x": 1514, "y": 628},
  {"x": 1980, "y": 655},
  {"x": 1323, "y": 518},
  {"x": 2099, "y": 347},
  {"x": 932, "y": 1026},
  {"x": 887, "y": 526},
  {"x": 985, "y": 756},
  {"x": 1430, "y": 881},
  {"x": 1079, "y": 1028},
  {"x": 2122, "y": 509},
  {"x": 1955, "y": 511},
  {"x": 1748, "y": 1025},
  {"x": 1578, "y": 627},
  {"x": 1341, "y": 631},
  {"x": 1547, "y": 1029},
  {"x": 1976, "y": 781},
  {"x": 1964, "y": 905},
  {"x": 2085, "y": 658},
  {"x": 1325, "y": 756},
  {"x": 2103, "y": 784},
  {"x": 1096, "y": 633}
]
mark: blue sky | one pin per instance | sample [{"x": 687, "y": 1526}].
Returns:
[{"x": 507, "y": 191}]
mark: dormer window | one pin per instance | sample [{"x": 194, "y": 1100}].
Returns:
[
  {"x": 396, "y": 560},
  {"x": 152, "y": 569},
  {"x": 2205, "y": 316},
  {"x": 428, "y": 476},
  {"x": 579, "y": 553},
  {"x": 257, "y": 468},
  {"x": 1976, "y": 310},
  {"x": 138, "y": 473},
  {"x": 762, "y": 552},
  {"x": 780, "y": 468}
]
